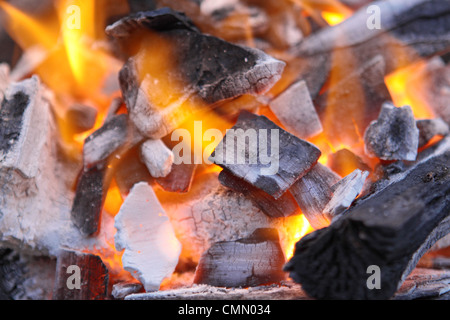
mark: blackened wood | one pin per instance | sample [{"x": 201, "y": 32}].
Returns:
[
  {"x": 312, "y": 193},
  {"x": 89, "y": 198},
  {"x": 179, "y": 179},
  {"x": 122, "y": 289},
  {"x": 284, "y": 206},
  {"x": 424, "y": 284},
  {"x": 291, "y": 160},
  {"x": 249, "y": 262},
  {"x": 100, "y": 145},
  {"x": 394, "y": 135},
  {"x": 390, "y": 229},
  {"x": 94, "y": 277}
]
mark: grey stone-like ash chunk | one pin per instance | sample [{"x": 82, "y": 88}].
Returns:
[
  {"x": 264, "y": 155},
  {"x": 295, "y": 110},
  {"x": 394, "y": 136},
  {"x": 429, "y": 128},
  {"x": 157, "y": 157}
]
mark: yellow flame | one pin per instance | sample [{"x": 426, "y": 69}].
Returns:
[
  {"x": 333, "y": 18},
  {"x": 298, "y": 228}
]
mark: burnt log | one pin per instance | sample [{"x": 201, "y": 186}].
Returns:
[
  {"x": 81, "y": 117},
  {"x": 390, "y": 229},
  {"x": 244, "y": 151},
  {"x": 80, "y": 276},
  {"x": 249, "y": 262},
  {"x": 430, "y": 128},
  {"x": 179, "y": 179},
  {"x": 284, "y": 206}
]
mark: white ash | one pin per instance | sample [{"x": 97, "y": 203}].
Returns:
[
  {"x": 157, "y": 158},
  {"x": 146, "y": 234}
]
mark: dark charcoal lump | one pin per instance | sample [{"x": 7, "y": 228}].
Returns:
[{"x": 11, "y": 116}]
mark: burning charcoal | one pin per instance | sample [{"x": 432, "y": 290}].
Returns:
[
  {"x": 244, "y": 152},
  {"x": 80, "y": 276},
  {"x": 394, "y": 136},
  {"x": 424, "y": 284},
  {"x": 227, "y": 71},
  {"x": 429, "y": 128},
  {"x": 296, "y": 111},
  {"x": 344, "y": 162},
  {"x": 313, "y": 192},
  {"x": 157, "y": 157},
  {"x": 89, "y": 199},
  {"x": 105, "y": 141},
  {"x": 363, "y": 102},
  {"x": 130, "y": 170},
  {"x": 284, "y": 206},
  {"x": 82, "y": 118},
  {"x": 145, "y": 233},
  {"x": 114, "y": 108},
  {"x": 434, "y": 262},
  {"x": 122, "y": 289},
  {"x": 248, "y": 262},
  {"x": 179, "y": 179},
  {"x": 390, "y": 229},
  {"x": 345, "y": 192}
]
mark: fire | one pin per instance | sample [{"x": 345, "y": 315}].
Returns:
[
  {"x": 333, "y": 18},
  {"x": 398, "y": 84},
  {"x": 298, "y": 227}
]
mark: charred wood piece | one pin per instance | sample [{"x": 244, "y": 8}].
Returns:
[
  {"x": 244, "y": 152},
  {"x": 89, "y": 281},
  {"x": 90, "y": 195},
  {"x": 295, "y": 110},
  {"x": 429, "y": 128},
  {"x": 424, "y": 284},
  {"x": 394, "y": 136},
  {"x": 390, "y": 229},
  {"x": 81, "y": 117},
  {"x": 122, "y": 289},
  {"x": 145, "y": 233},
  {"x": 179, "y": 179},
  {"x": 313, "y": 192},
  {"x": 249, "y": 262},
  {"x": 284, "y": 206}
]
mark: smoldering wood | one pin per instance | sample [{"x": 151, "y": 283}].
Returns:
[
  {"x": 81, "y": 117},
  {"x": 424, "y": 284},
  {"x": 344, "y": 161},
  {"x": 130, "y": 170},
  {"x": 227, "y": 71},
  {"x": 157, "y": 158},
  {"x": 430, "y": 128},
  {"x": 434, "y": 262},
  {"x": 101, "y": 144},
  {"x": 284, "y": 206},
  {"x": 90, "y": 195},
  {"x": 94, "y": 277},
  {"x": 296, "y": 157},
  {"x": 122, "y": 289},
  {"x": 179, "y": 179},
  {"x": 248, "y": 262},
  {"x": 394, "y": 135},
  {"x": 113, "y": 108},
  {"x": 344, "y": 193},
  {"x": 145, "y": 233},
  {"x": 363, "y": 102},
  {"x": 312, "y": 193},
  {"x": 295, "y": 110},
  {"x": 391, "y": 229}
]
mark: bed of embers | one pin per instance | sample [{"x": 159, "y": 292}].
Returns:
[{"x": 118, "y": 118}]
